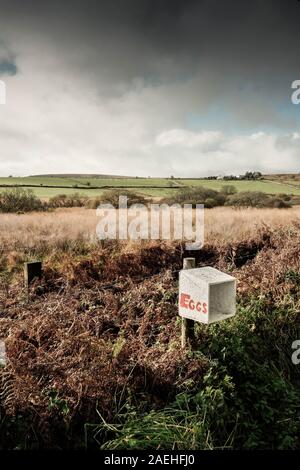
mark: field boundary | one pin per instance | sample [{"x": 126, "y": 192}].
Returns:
[{"x": 88, "y": 187}]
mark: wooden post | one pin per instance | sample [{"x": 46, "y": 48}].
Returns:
[
  {"x": 3, "y": 360},
  {"x": 187, "y": 326},
  {"x": 32, "y": 271}
]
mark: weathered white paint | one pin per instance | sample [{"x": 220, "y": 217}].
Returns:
[
  {"x": 2, "y": 354},
  {"x": 206, "y": 295}
]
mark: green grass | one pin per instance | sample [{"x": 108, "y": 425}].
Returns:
[
  {"x": 265, "y": 186},
  {"x": 158, "y": 187},
  {"x": 38, "y": 180},
  {"x": 293, "y": 183},
  {"x": 248, "y": 399}
]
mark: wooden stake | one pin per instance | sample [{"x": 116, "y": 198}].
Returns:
[
  {"x": 187, "y": 325},
  {"x": 32, "y": 270}
]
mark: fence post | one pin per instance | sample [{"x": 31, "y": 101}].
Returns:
[
  {"x": 187, "y": 326},
  {"x": 32, "y": 270}
]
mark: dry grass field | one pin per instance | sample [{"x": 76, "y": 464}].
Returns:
[{"x": 222, "y": 224}]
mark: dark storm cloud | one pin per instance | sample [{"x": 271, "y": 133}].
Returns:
[
  {"x": 221, "y": 45},
  {"x": 121, "y": 79},
  {"x": 132, "y": 37}
]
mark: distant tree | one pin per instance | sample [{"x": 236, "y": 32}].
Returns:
[
  {"x": 256, "y": 199},
  {"x": 228, "y": 190},
  {"x": 252, "y": 175},
  {"x": 112, "y": 196},
  {"x": 19, "y": 200},
  {"x": 63, "y": 200},
  {"x": 230, "y": 177},
  {"x": 197, "y": 195}
]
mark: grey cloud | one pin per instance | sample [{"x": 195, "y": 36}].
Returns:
[{"x": 105, "y": 78}]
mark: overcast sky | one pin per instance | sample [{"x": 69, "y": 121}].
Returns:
[{"x": 149, "y": 87}]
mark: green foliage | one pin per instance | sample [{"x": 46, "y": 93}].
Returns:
[
  {"x": 19, "y": 200},
  {"x": 249, "y": 398},
  {"x": 226, "y": 196},
  {"x": 228, "y": 190},
  {"x": 293, "y": 277},
  {"x": 251, "y": 175},
  {"x": 256, "y": 199},
  {"x": 56, "y": 403},
  {"x": 285, "y": 197},
  {"x": 277, "y": 203},
  {"x": 175, "y": 427},
  {"x": 210, "y": 203},
  {"x": 199, "y": 195},
  {"x": 63, "y": 200},
  {"x": 112, "y": 197}
]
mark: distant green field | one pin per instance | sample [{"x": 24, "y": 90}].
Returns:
[
  {"x": 86, "y": 182},
  {"x": 265, "y": 186},
  {"x": 293, "y": 183},
  {"x": 156, "y": 187}
]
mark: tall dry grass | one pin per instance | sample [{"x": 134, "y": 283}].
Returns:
[
  {"x": 226, "y": 224},
  {"x": 222, "y": 224}
]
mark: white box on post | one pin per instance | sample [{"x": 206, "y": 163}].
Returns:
[{"x": 206, "y": 295}]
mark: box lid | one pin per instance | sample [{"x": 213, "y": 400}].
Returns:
[{"x": 207, "y": 275}]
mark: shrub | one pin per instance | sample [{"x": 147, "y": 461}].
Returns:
[
  {"x": 112, "y": 197},
  {"x": 248, "y": 199},
  {"x": 198, "y": 195},
  {"x": 285, "y": 197},
  {"x": 20, "y": 200},
  {"x": 248, "y": 398},
  {"x": 278, "y": 203},
  {"x": 228, "y": 190},
  {"x": 62, "y": 200},
  {"x": 295, "y": 201},
  {"x": 210, "y": 203},
  {"x": 256, "y": 199}
]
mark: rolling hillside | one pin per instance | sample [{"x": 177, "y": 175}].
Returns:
[{"x": 92, "y": 185}]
